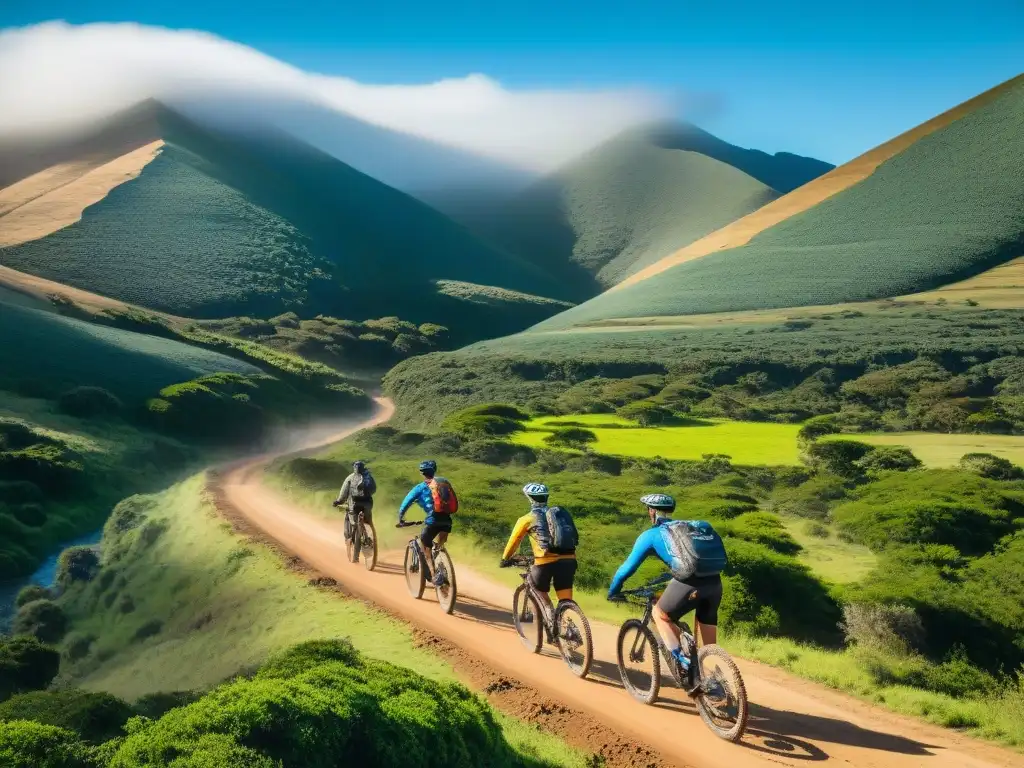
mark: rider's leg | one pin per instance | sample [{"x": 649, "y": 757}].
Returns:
[
  {"x": 427, "y": 544},
  {"x": 668, "y": 629},
  {"x": 708, "y": 633},
  {"x": 676, "y": 600},
  {"x": 565, "y": 576},
  {"x": 540, "y": 577},
  {"x": 707, "y": 611}
]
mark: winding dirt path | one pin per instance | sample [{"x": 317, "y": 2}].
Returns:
[{"x": 792, "y": 722}]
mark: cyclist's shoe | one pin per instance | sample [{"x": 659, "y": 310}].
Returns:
[
  {"x": 682, "y": 659},
  {"x": 440, "y": 579}
]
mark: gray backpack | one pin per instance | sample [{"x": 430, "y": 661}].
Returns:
[
  {"x": 364, "y": 486},
  {"x": 696, "y": 548}
]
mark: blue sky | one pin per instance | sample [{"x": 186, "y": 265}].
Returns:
[{"x": 823, "y": 79}]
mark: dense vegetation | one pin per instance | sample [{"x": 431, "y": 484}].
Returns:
[
  {"x": 318, "y": 704},
  {"x": 638, "y": 198},
  {"x": 283, "y": 227},
  {"x": 924, "y": 218}
]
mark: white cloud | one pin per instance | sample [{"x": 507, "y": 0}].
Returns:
[{"x": 53, "y": 71}]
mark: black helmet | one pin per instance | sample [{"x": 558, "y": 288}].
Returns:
[
  {"x": 428, "y": 467},
  {"x": 659, "y": 501},
  {"x": 359, "y": 465}
]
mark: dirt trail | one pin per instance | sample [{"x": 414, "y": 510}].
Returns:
[{"x": 792, "y": 722}]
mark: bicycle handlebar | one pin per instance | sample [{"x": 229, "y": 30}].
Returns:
[
  {"x": 523, "y": 561},
  {"x": 408, "y": 524}
]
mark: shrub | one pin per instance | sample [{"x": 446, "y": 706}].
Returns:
[
  {"x": 95, "y": 717},
  {"x": 763, "y": 528},
  {"x": 41, "y": 619},
  {"x": 645, "y": 413},
  {"x": 890, "y": 628},
  {"x": 990, "y": 466},
  {"x": 30, "y": 515},
  {"x": 46, "y": 464},
  {"x": 571, "y": 437},
  {"x": 888, "y": 458},
  {"x": 155, "y": 705},
  {"x": 818, "y": 426},
  {"x": 20, "y": 492},
  {"x": 818, "y": 530},
  {"x": 25, "y": 744},
  {"x": 496, "y": 452},
  {"x": 305, "y": 656},
  {"x": 77, "y": 564},
  {"x": 26, "y": 665},
  {"x": 87, "y": 402},
  {"x": 77, "y": 646},
  {"x": 150, "y": 629},
  {"x": 838, "y": 457},
  {"x": 31, "y": 593}
]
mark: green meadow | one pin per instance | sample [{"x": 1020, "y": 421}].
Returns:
[{"x": 942, "y": 450}]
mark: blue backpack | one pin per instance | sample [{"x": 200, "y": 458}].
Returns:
[{"x": 696, "y": 548}]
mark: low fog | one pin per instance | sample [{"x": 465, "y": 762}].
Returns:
[{"x": 55, "y": 74}]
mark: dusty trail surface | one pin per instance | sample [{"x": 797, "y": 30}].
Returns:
[{"x": 792, "y": 722}]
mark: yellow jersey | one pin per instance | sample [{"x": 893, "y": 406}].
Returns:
[{"x": 527, "y": 525}]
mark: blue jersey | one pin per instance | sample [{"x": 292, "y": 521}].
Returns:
[
  {"x": 650, "y": 542},
  {"x": 420, "y": 494}
]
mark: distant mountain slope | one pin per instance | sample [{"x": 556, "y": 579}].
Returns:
[
  {"x": 221, "y": 224},
  {"x": 948, "y": 206},
  {"x": 637, "y": 198}
]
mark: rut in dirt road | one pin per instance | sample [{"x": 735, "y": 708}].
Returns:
[{"x": 792, "y": 722}]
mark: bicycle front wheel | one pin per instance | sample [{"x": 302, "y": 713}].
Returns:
[
  {"x": 528, "y": 619},
  {"x": 574, "y": 639},
  {"x": 351, "y": 549},
  {"x": 369, "y": 545},
  {"x": 722, "y": 697},
  {"x": 415, "y": 579},
  {"x": 447, "y": 590},
  {"x": 639, "y": 663}
]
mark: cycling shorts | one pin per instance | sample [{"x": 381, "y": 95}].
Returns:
[
  {"x": 366, "y": 507},
  {"x": 561, "y": 572},
  {"x": 700, "y": 593},
  {"x": 430, "y": 531}
]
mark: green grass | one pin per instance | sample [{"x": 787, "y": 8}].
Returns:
[
  {"x": 746, "y": 443},
  {"x": 223, "y": 225},
  {"x": 835, "y": 560},
  {"x": 943, "y": 450},
  {"x": 924, "y": 218}
]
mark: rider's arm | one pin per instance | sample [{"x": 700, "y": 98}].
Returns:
[
  {"x": 641, "y": 550},
  {"x": 346, "y": 490},
  {"x": 521, "y": 528},
  {"x": 410, "y": 499}
]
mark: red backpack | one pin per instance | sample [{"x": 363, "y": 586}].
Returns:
[{"x": 445, "y": 501}]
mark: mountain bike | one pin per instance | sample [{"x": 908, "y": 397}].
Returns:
[
  {"x": 713, "y": 680},
  {"x": 360, "y": 539},
  {"x": 417, "y": 572},
  {"x": 565, "y": 626}
]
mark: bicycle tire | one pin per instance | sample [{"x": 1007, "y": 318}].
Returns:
[
  {"x": 415, "y": 580},
  {"x": 582, "y": 667},
  {"x": 370, "y": 551},
  {"x": 448, "y": 593},
  {"x": 531, "y": 633},
  {"x": 736, "y": 690},
  {"x": 649, "y": 648}
]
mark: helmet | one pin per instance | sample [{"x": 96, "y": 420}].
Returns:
[
  {"x": 536, "y": 490},
  {"x": 659, "y": 501},
  {"x": 358, "y": 466},
  {"x": 428, "y": 467}
]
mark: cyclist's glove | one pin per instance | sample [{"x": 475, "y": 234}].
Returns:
[
  {"x": 616, "y": 598},
  {"x": 506, "y": 563},
  {"x": 336, "y": 503}
]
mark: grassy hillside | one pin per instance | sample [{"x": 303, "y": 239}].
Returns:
[
  {"x": 224, "y": 224},
  {"x": 639, "y": 197},
  {"x": 927, "y": 217}
]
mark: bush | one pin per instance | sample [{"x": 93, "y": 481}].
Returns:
[
  {"x": 763, "y": 528},
  {"x": 818, "y": 426},
  {"x": 25, "y": 744},
  {"x": 496, "y": 452},
  {"x": 888, "y": 458},
  {"x": 30, "y": 515},
  {"x": 818, "y": 530},
  {"x": 305, "y": 656},
  {"x": 26, "y": 665},
  {"x": 77, "y": 646},
  {"x": 990, "y": 466},
  {"x": 151, "y": 628},
  {"x": 87, "y": 402},
  {"x": 837, "y": 457},
  {"x": 890, "y": 628},
  {"x": 31, "y": 593},
  {"x": 571, "y": 437},
  {"x": 41, "y": 619},
  {"x": 95, "y": 717},
  {"x": 645, "y": 413},
  {"x": 155, "y": 705},
  {"x": 77, "y": 564},
  {"x": 21, "y": 492}
]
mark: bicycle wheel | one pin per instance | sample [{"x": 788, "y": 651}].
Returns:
[
  {"x": 448, "y": 591},
  {"x": 415, "y": 579},
  {"x": 369, "y": 546},
  {"x": 639, "y": 664},
  {"x": 722, "y": 697},
  {"x": 574, "y": 639},
  {"x": 528, "y": 619}
]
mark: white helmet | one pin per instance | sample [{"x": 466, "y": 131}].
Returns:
[{"x": 535, "y": 490}]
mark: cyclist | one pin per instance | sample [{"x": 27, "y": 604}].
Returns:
[
  {"x": 557, "y": 568},
  {"x": 357, "y": 491},
  {"x": 700, "y": 593},
  {"x": 438, "y": 523}
]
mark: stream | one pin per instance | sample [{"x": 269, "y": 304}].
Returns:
[{"x": 44, "y": 576}]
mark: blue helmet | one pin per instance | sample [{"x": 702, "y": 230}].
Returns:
[
  {"x": 659, "y": 501},
  {"x": 536, "y": 491},
  {"x": 428, "y": 467}
]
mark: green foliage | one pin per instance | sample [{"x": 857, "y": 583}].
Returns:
[
  {"x": 42, "y": 619},
  {"x": 26, "y": 665},
  {"x": 77, "y": 564},
  {"x": 762, "y": 528},
  {"x": 88, "y": 402},
  {"x": 95, "y": 717},
  {"x": 992, "y": 467},
  {"x": 818, "y": 426},
  {"x": 571, "y": 437},
  {"x": 306, "y": 656},
  {"x": 31, "y": 593},
  {"x": 645, "y": 413},
  {"x": 837, "y": 457},
  {"x": 888, "y": 458},
  {"x": 488, "y": 419},
  {"x": 26, "y": 744}
]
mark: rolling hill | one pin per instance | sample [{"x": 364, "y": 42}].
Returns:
[
  {"x": 202, "y": 222},
  {"x": 634, "y": 199},
  {"x": 937, "y": 205}
]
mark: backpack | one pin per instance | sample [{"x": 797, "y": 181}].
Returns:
[
  {"x": 562, "y": 536},
  {"x": 364, "y": 486},
  {"x": 696, "y": 548},
  {"x": 445, "y": 500}
]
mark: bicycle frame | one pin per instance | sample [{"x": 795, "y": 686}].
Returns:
[
  {"x": 550, "y": 626},
  {"x": 689, "y": 642}
]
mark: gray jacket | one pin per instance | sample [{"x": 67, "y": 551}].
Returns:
[{"x": 349, "y": 486}]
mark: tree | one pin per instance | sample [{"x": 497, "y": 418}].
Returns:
[
  {"x": 573, "y": 437},
  {"x": 26, "y": 665},
  {"x": 891, "y": 458},
  {"x": 42, "y": 619},
  {"x": 836, "y": 456},
  {"x": 645, "y": 413},
  {"x": 991, "y": 466}
]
